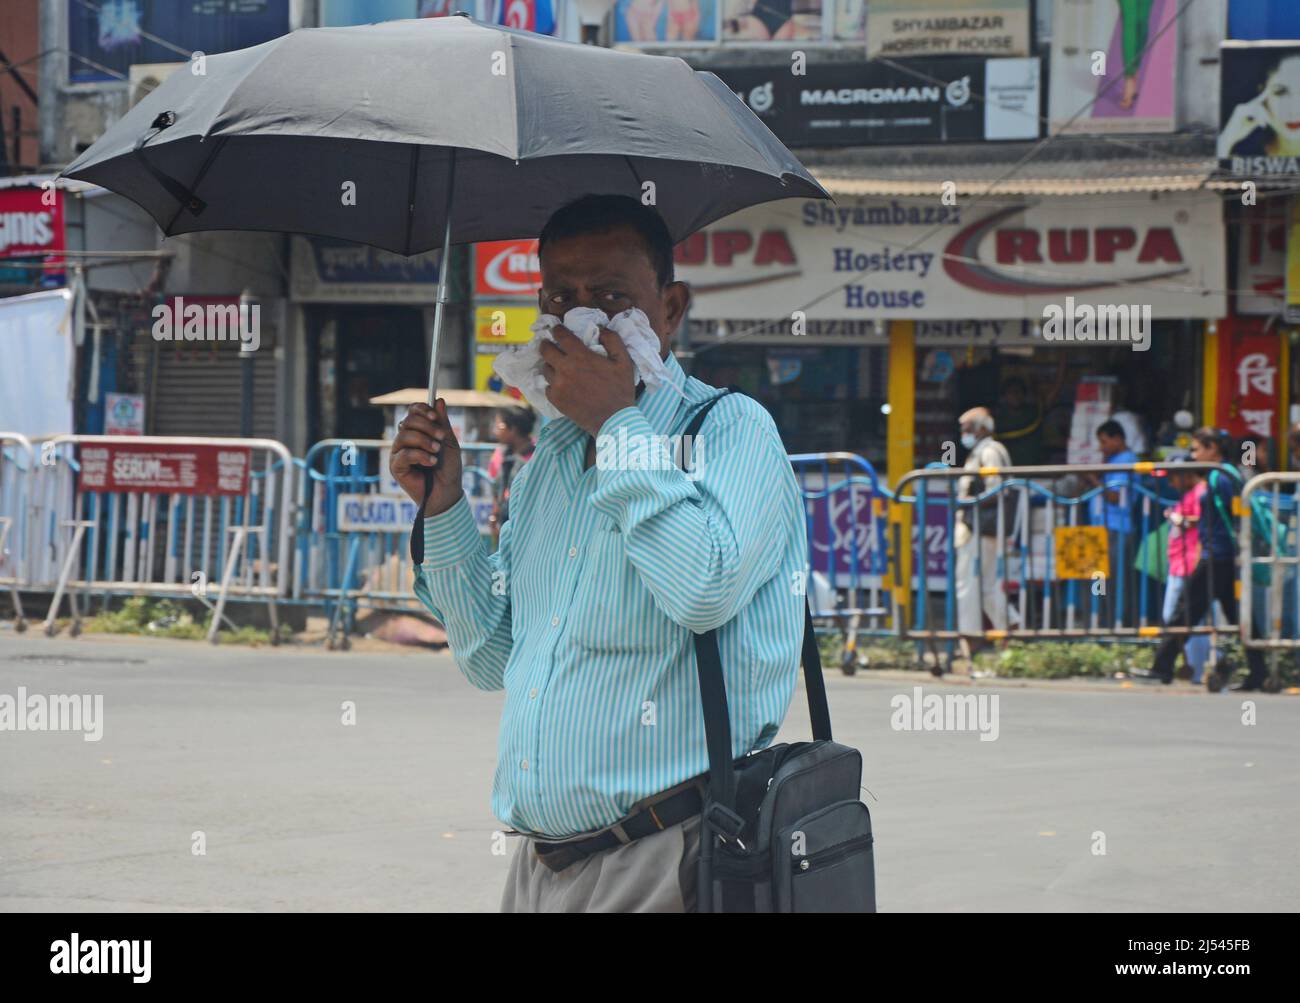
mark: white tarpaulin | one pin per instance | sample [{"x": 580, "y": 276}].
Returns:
[{"x": 36, "y": 360}]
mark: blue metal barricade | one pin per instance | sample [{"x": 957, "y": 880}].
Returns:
[
  {"x": 1043, "y": 552},
  {"x": 845, "y": 508},
  {"x": 353, "y": 525},
  {"x": 17, "y": 472}
]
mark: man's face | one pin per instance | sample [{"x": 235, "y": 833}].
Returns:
[
  {"x": 612, "y": 272},
  {"x": 1110, "y": 444}
]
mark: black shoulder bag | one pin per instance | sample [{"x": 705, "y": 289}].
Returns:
[{"x": 783, "y": 829}]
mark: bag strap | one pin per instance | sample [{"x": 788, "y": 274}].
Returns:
[
  {"x": 1218, "y": 504},
  {"x": 713, "y": 691}
]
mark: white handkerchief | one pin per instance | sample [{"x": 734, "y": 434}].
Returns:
[{"x": 522, "y": 367}]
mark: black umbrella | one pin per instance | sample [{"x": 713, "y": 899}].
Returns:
[{"x": 392, "y": 134}]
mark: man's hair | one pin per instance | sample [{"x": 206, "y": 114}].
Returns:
[
  {"x": 1112, "y": 429},
  {"x": 520, "y": 420},
  {"x": 603, "y": 213},
  {"x": 979, "y": 417}
]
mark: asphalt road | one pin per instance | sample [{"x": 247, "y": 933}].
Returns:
[{"x": 1197, "y": 810}]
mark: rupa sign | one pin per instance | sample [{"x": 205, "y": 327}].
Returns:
[{"x": 913, "y": 259}]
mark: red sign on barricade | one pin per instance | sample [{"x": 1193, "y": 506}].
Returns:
[{"x": 165, "y": 469}]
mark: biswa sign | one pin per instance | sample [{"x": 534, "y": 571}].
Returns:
[
  {"x": 31, "y": 223},
  {"x": 918, "y": 259}
]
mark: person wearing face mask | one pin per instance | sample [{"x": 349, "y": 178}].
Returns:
[{"x": 978, "y": 577}]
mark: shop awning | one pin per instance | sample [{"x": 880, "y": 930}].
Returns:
[{"x": 1058, "y": 178}]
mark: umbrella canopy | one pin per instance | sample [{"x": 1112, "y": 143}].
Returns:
[
  {"x": 454, "y": 398},
  {"x": 360, "y": 132}
]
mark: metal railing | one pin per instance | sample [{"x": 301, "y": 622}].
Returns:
[
  {"x": 110, "y": 540},
  {"x": 1070, "y": 551}
]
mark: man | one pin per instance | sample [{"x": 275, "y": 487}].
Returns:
[
  {"x": 514, "y": 431},
  {"x": 1113, "y": 508},
  {"x": 585, "y": 613},
  {"x": 979, "y": 582}
]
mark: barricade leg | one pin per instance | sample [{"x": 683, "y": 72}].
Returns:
[
  {"x": 236, "y": 547},
  {"x": 353, "y": 549},
  {"x": 20, "y": 621},
  {"x": 79, "y": 528}
]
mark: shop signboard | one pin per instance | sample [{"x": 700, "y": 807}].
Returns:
[
  {"x": 905, "y": 29},
  {"x": 998, "y": 259},
  {"x": 1262, "y": 257},
  {"x": 327, "y": 270},
  {"x": 32, "y": 236},
  {"x": 955, "y": 99},
  {"x": 1250, "y": 379},
  {"x": 496, "y": 328},
  {"x": 507, "y": 268}
]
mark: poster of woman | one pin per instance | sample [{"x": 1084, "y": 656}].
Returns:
[
  {"x": 1259, "y": 107},
  {"x": 1114, "y": 64},
  {"x": 658, "y": 21}
]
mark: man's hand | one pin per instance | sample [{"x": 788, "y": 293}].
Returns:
[
  {"x": 424, "y": 438},
  {"x": 586, "y": 387}
]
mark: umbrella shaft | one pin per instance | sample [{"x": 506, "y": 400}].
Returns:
[{"x": 439, "y": 310}]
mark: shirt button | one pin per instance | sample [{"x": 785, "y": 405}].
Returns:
[
  {"x": 523, "y": 764},
  {"x": 573, "y": 551},
  {"x": 555, "y": 621},
  {"x": 532, "y": 694}
]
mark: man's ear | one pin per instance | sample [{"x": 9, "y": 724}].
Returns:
[{"x": 676, "y": 297}]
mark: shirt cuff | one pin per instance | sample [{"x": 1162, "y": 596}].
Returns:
[{"x": 450, "y": 537}]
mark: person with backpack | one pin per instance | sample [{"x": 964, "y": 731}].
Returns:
[{"x": 1215, "y": 574}]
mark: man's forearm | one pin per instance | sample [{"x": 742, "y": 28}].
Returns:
[{"x": 468, "y": 590}]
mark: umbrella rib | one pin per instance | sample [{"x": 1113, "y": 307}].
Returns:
[
  {"x": 193, "y": 189},
  {"x": 635, "y": 176},
  {"x": 410, "y": 196}
]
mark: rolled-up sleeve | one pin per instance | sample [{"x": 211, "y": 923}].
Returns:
[
  {"x": 703, "y": 544},
  {"x": 468, "y": 589}
]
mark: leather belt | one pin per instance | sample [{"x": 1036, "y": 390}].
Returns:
[{"x": 653, "y": 814}]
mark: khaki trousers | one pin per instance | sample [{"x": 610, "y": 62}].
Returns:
[{"x": 656, "y": 873}]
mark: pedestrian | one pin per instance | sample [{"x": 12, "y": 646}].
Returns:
[
  {"x": 1215, "y": 574},
  {"x": 1184, "y": 552},
  {"x": 513, "y": 429},
  {"x": 1112, "y": 507},
  {"x": 978, "y": 574},
  {"x": 586, "y": 613}
]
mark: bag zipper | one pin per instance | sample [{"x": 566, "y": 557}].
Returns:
[{"x": 833, "y": 854}]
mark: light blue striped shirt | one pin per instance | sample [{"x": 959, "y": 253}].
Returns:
[{"x": 585, "y": 613}]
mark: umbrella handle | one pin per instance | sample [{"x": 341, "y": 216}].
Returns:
[{"x": 417, "y": 527}]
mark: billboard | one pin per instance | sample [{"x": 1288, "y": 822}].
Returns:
[
  {"x": 1114, "y": 64},
  {"x": 658, "y": 21},
  {"x": 111, "y": 35},
  {"x": 1259, "y": 108}
]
